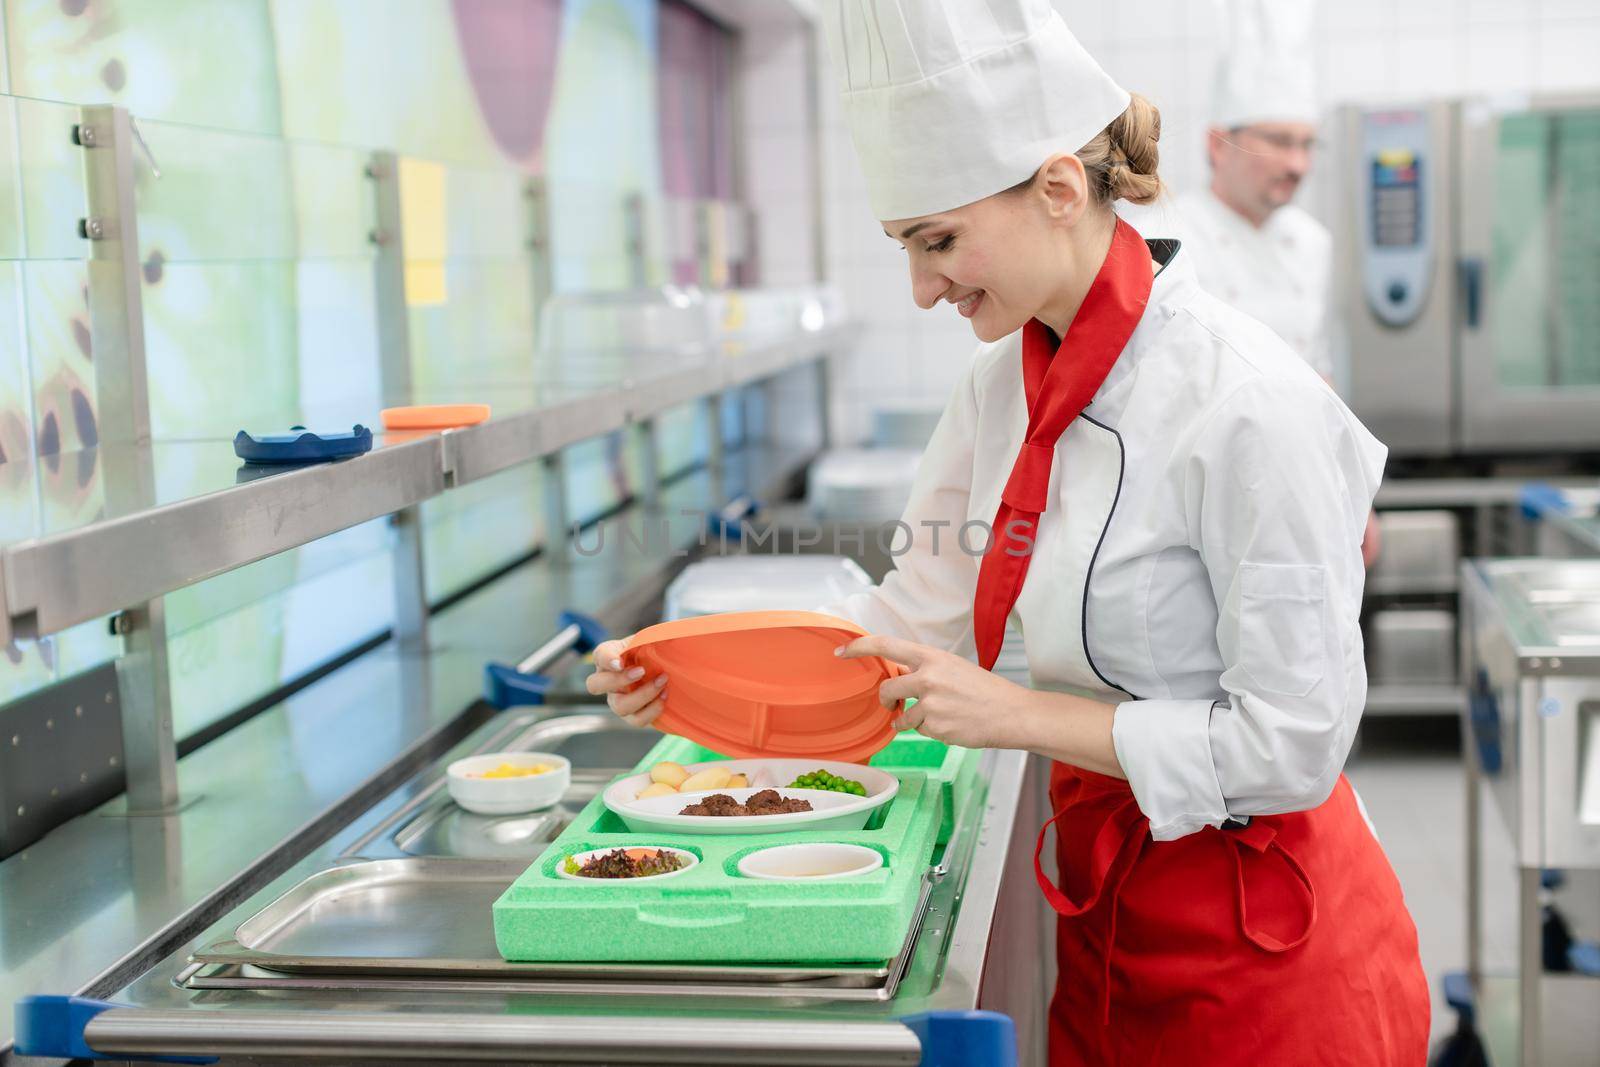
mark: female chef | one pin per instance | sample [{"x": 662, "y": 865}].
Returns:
[{"x": 1176, "y": 504}]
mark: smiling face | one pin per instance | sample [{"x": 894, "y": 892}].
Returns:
[{"x": 1006, "y": 258}]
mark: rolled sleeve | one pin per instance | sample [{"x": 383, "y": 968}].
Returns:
[{"x": 1164, "y": 747}]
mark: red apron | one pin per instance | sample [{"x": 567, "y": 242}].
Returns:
[{"x": 1285, "y": 943}]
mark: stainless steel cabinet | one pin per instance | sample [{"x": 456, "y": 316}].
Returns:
[{"x": 1532, "y": 662}]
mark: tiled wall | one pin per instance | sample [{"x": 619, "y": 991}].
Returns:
[{"x": 1365, "y": 50}]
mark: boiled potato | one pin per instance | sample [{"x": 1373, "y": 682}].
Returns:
[
  {"x": 655, "y": 789},
  {"x": 668, "y": 773},
  {"x": 710, "y": 778},
  {"x": 738, "y": 781}
]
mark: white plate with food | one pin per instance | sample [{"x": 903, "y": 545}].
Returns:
[{"x": 751, "y": 796}]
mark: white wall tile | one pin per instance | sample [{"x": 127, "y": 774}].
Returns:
[
  {"x": 1498, "y": 10},
  {"x": 1359, "y": 68},
  {"x": 1564, "y": 9},
  {"x": 1432, "y": 15},
  {"x": 778, "y": 162},
  {"x": 1428, "y": 64},
  {"x": 1151, "y": 20},
  {"x": 1366, "y": 16},
  {"x": 1497, "y": 57},
  {"x": 1567, "y": 55}
]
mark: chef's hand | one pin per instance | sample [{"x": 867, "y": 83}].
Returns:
[
  {"x": 1371, "y": 543},
  {"x": 635, "y": 700},
  {"x": 958, "y": 702}
]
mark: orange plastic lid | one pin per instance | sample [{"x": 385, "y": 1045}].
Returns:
[
  {"x": 434, "y": 416},
  {"x": 751, "y": 684}
]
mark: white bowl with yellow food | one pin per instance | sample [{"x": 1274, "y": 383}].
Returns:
[
  {"x": 653, "y": 801},
  {"x": 508, "y": 783}
]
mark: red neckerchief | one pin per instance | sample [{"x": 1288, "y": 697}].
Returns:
[{"x": 1059, "y": 383}]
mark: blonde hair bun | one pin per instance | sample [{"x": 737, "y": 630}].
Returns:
[{"x": 1126, "y": 154}]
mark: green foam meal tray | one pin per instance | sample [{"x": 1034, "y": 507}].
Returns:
[
  {"x": 954, "y": 769},
  {"x": 711, "y": 911}
]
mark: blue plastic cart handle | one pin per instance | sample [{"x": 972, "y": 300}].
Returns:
[
  {"x": 726, "y": 523},
  {"x": 590, "y": 632},
  {"x": 965, "y": 1038},
  {"x": 54, "y": 1025},
  {"x": 1541, "y": 498},
  {"x": 1458, "y": 994},
  {"x": 505, "y": 687}
]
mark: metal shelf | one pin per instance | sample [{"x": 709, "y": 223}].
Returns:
[
  {"x": 73, "y": 575},
  {"x": 1410, "y": 585},
  {"x": 1424, "y": 699},
  {"x": 1461, "y": 492},
  {"x": 477, "y": 452}
]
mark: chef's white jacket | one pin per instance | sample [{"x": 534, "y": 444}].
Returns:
[
  {"x": 1199, "y": 564},
  {"x": 1278, "y": 273}
]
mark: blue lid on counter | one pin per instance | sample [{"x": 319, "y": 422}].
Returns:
[{"x": 300, "y": 445}]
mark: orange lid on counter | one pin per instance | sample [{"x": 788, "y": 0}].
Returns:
[
  {"x": 751, "y": 684},
  {"x": 434, "y": 416}
]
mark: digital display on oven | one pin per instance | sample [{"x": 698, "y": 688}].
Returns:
[{"x": 1396, "y": 199}]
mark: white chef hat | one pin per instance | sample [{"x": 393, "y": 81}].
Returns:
[
  {"x": 1264, "y": 72},
  {"x": 950, "y": 101}
]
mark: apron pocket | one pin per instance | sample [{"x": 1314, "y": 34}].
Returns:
[{"x": 1281, "y": 638}]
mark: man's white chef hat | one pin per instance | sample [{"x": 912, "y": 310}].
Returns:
[
  {"x": 1264, "y": 72},
  {"x": 950, "y": 101}
]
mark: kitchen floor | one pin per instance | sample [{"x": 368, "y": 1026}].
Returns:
[{"x": 1409, "y": 774}]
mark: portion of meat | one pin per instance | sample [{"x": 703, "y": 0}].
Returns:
[
  {"x": 766, "y": 802},
  {"x": 715, "y": 804}
]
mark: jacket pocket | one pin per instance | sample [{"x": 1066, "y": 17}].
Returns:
[{"x": 1282, "y": 641}]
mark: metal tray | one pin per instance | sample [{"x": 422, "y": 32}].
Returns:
[{"x": 429, "y": 917}]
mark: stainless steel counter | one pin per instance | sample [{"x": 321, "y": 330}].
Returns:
[
  {"x": 103, "y": 897},
  {"x": 429, "y": 1020},
  {"x": 440, "y": 1023}
]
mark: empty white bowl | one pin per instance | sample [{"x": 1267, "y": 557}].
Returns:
[
  {"x": 508, "y": 796},
  {"x": 689, "y": 860},
  {"x": 810, "y": 862}
]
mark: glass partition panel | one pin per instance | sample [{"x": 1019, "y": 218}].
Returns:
[
  {"x": 476, "y": 529},
  {"x": 589, "y": 238},
  {"x": 211, "y": 63},
  {"x": 469, "y": 282},
  {"x": 10, "y": 183},
  {"x": 51, "y": 179},
  {"x": 245, "y": 328},
  {"x": 232, "y": 639},
  {"x": 601, "y": 474},
  {"x": 685, "y": 438},
  {"x": 47, "y": 388}
]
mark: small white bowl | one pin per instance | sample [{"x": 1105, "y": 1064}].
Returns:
[
  {"x": 689, "y": 860},
  {"x": 810, "y": 862},
  {"x": 508, "y": 796}
]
